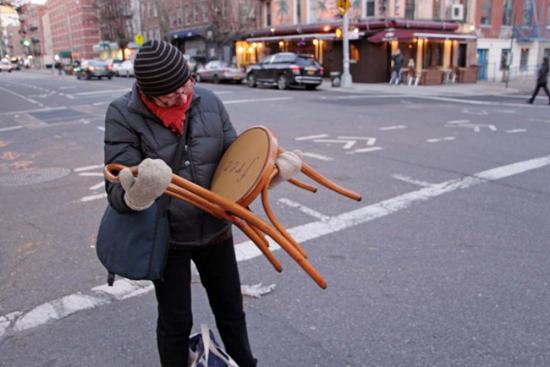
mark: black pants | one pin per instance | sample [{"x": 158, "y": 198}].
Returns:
[
  {"x": 219, "y": 275},
  {"x": 539, "y": 86}
]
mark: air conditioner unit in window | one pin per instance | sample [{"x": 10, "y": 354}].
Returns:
[{"x": 457, "y": 12}]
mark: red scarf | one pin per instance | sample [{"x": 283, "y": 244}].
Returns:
[{"x": 172, "y": 118}]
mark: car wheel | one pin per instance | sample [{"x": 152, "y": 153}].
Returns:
[
  {"x": 282, "y": 82},
  {"x": 109, "y": 77},
  {"x": 311, "y": 87},
  {"x": 251, "y": 81},
  {"x": 127, "y": 74},
  {"x": 216, "y": 79}
]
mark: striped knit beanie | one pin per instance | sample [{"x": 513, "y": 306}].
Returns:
[{"x": 160, "y": 68}]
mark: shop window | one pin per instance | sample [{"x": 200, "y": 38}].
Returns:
[
  {"x": 504, "y": 57},
  {"x": 267, "y": 14},
  {"x": 298, "y": 12},
  {"x": 524, "y": 59},
  {"x": 486, "y": 8},
  {"x": 353, "y": 53}
]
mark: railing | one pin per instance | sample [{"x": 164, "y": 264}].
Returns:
[{"x": 518, "y": 77}]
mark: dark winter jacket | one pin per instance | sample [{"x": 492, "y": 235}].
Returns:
[
  {"x": 542, "y": 77},
  {"x": 398, "y": 62},
  {"x": 133, "y": 133}
]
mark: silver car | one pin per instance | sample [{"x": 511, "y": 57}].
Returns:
[{"x": 218, "y": 71}]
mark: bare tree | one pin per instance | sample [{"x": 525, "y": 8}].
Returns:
[
  {"x": 115, "y": 18},
  {"x": 229, "y": 19}
]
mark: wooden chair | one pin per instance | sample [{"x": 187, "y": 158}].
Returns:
[{"x": 244, "y": 172}]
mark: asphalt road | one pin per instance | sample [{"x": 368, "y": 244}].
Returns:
[{"x": 445, "y": 262}]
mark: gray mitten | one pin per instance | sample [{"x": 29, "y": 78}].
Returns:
[
  {"x": 288, "y": 164},
  {"x": 153, "y": 177}
]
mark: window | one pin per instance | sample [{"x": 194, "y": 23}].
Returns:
[
  {"x": 186, "y": 14},
  {"x": 436, "y": 9},
  {"x": 524, "y": 59},
  {"x": 527, "y": 13},
  {"x": 369, "y": 8},
  {"x": 507, "y": 12},
  {"x": 195, "y": 13},
  {"x": 157, "y": 34},
  {"x": 298, "y": 12},
  {"x": 486, "y": 12},
  {"x": 205, "y": 12},
  {"x": 547, "y": 52},
  {"x": 155, "y": 11},
  {"x": 504, "y": 58},
  {"x": 548, "y": 17},
  {"x": 267, "y": 14},
  {"x": 410, "y": 9}
]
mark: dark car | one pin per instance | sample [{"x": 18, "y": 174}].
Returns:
[
  {"x": 94, "y": 69},
  {"x": 286, "y": 69}
]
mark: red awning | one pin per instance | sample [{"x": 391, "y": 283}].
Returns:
[{"x": 406, "y": 35}]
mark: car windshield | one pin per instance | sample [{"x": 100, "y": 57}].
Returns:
[
  {"x": 5, "y": 62},
  {"x": 97, "y": 63}
]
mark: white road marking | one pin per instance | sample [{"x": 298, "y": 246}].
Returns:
[
  {"x": 370, "y": 140},
  {"x": 47, "y": 109},
  {"x": 540, "y": 120},
  {"x": 395, "y": 127},
  {"x": 411, "y": 180},
  {"x": 101, "y": 128},
  {"x": 220, "y": 92},
  {"x": 470, "y": 112},
  {"x": 88, "y": 168},
  {"x": 69, "y": 96},
  {"x": 437, "y": 140},
  {"x": 458, "y": 121},
  {"x": 317, "y": 156},
  {"x": 97, "y": 186},
  {"x": 273, "y": 99},
  {"x": 304, "y": 209},
  {"x": 476, "y": 127},
  {"x": 365, "y": 150},
  {"x": 11, "y": 128},
  {"x": 91, "y": 174},
  {"x": 123, "y": 289},
  {"x": 22, "y": 96},
  {"x": 348, "y": 144},
  {"x": 513, "y": 131},
  {"x": 93, "y": 197},
  {"x": 311, "y": 137},
  {"x": 68, "y": 87}
]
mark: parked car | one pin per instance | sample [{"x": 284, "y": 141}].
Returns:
[
  {"x": 286, "y": 69},
  {"x": 220, "y": 71},
  {"x": 5, "y": 65},
  {"x": 94, "y": 69},
  {"x": 126, "y": 69},
  {"x": 115, "y": 64},
  {"x": 195, "y": 62}
]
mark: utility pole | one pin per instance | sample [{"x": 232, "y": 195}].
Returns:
[
  {"x": 343, "y": 6},
  {"x": 511, "y": 56}
]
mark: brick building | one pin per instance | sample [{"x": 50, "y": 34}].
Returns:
[
  {"x": 74, "y": 28},
  {"x": 436, "y": 35},
  {"x": 10, "y": 39},
  {"x": 514, "y": 35},
  {"x": 32, "y": 31}
]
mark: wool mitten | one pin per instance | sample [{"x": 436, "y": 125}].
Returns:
[
  {"x": 288, "y": 164},
  {"x": 153, "y": 177}
]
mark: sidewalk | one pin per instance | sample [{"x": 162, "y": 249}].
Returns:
[{"x": 480, "y": 88}]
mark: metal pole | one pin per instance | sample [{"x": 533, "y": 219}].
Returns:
[
  {"x": 346, "y": 76},
  {"x": 510, "y": 57}
]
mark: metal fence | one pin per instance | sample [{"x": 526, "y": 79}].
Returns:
[{"x": 521, "y": 78}]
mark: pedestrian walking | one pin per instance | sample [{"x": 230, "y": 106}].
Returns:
[
  {"x": 397, "y": 67},
  {"x": 542, "y": 81},
  {"x": 146, "y": 127}
]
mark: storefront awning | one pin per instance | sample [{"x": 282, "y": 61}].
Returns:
[
  {"x": 321, "y": 36},
  {"x": 406, "y": 35},
  {"x": 187, "y": 33}
]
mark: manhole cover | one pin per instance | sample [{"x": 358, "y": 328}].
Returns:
[
  {"x": 33, "y": 176},
  {"x": 58, "y": 115}
]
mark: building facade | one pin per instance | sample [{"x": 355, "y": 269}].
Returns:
[
  {"x": 436, "y": 37},
  {"x": 74, "y": 28},
  {"x": 514, "y": 36},
  {"x": 10, "y": 39},
  {"x": 32, "y": 32}
]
